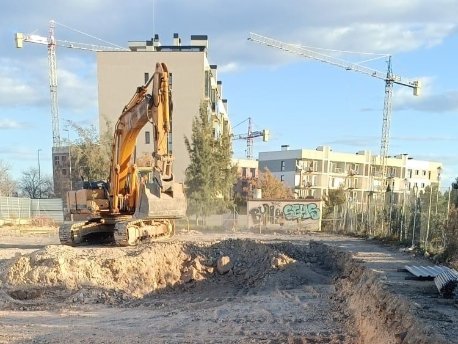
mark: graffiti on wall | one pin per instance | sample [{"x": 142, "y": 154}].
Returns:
[
  {"x": 301, "y": 211},
  {"x": 281, "y": 212}
]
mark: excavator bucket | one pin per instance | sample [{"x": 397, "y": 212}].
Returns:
[{"x": 153, "y": 203}]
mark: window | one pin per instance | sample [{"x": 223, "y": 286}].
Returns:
[
  {"x": 146, "y": 77},
  {"x": 282, "y": 178},
  {"x": 253, "y": 172},
  {"x": 147, "y": 137},
  {"x": 282, "y": 165},
  {"x": 424, "y": 172},
  {"x": 64, "y": 172},
  {"x": 417, "y": 172},
  {"x": 207, "y": 83}
]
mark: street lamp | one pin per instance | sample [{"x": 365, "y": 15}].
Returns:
[
  {"x": 403, "y": 233},
  {"x": 439, "y": 171},
  {"x": 389, "y": 189},
  {"x": 39, "y": 176},
  {"x": 69, "y": 159},
  {"x": 415, "y": 192}
]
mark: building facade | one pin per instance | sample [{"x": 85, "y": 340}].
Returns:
[
  {"x": 247, "y": 173},
  {"x": 310, "y": 173},
  {"x": 194, "y": 80},
  {"x": 62, "y": 169}
]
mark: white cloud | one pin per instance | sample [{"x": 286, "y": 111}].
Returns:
[
  {"x": 430, "y": 99},
  {"x": 10, "y": 124},
  {"x": 16, "y": 87},
  {"x": 229, "y": 67}
]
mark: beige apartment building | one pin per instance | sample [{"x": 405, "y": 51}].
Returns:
[
  {"x": 194, "y": 80},
  {"x": 310, "y": 173},
  {"x": 247, "y": 173}
]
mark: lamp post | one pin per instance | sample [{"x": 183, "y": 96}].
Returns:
[
  {"x": 439, "y": 171},
  {"x": 39, "y": 176},
  {"x": 389, "y": 189},
  {"x": 415, "y": 192},
  {"x": 69, "y": 159},
  {"x": 402, "y": 230}
]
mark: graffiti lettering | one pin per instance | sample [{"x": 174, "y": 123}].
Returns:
[
  {"x": 301, "y": 211},
  {"x": 267, "y": 213}
]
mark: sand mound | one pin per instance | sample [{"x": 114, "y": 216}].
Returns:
[{"x": 113, "y": 274}]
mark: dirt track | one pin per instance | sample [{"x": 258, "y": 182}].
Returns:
[{"x": 277, "y": 288}]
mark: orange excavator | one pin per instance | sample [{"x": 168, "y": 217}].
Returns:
[{"x": 140, "y": 201}]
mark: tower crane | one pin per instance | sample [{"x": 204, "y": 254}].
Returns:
[
  {"x": 389, "y": 78},
  {"x": 51, "y": 42},
  {"x": 249, "y": 136}
]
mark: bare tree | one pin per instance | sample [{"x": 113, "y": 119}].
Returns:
[
  {"x": 34, "y": 186},
  {"x": 7, "y": 185}
]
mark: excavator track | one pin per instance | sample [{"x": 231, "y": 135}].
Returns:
[
  {"x": 120, "y": 233},
  {"x": 131, "y": 233},
  {"x": 72, "y": 233}
]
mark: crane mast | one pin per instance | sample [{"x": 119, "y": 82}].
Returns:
[
  {"x": 53, "y": 85},
  {"x": 386, "y": 123},
  {"x": 389, "y": 78}
]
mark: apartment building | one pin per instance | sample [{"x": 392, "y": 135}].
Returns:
[
  {"x": 310, "y": 173},
  {"x": 247, "y": 173},
  {"x": 194, "y": 80}
]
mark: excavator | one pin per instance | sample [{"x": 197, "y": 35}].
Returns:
[{"x": 140, "y": 201}]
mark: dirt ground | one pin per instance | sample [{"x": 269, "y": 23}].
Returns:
[{"x": 217, "y": 288}]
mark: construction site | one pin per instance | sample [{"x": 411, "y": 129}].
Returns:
[
  {"x": 122, "y": 261},
  {"x": 218, "y": 287}
]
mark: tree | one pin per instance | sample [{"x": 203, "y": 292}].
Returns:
[
  {"x": 91, "y": 153},
  {"x": 271, "y": 187},
  {"x": 33, "y": 185},
  {"x": 7, "y": 185},
  {"x": 209, "y": 177},
  {"x": 225, "y": 173},
  {"x": 335, "y": 197},
  {"x": 454, "y": 193}
]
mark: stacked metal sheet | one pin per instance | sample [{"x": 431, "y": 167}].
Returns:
[
  {"x": 446, "y": 282},
  {"x": 445, "y": 278}
]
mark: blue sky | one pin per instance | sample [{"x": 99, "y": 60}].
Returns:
[{"x": 303, "y": 103}]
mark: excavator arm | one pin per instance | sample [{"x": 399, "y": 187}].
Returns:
[
  {"x": 142, "y": 108},
  {"x": 140, "y": 202}
]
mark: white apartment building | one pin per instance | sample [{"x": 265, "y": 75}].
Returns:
[
  {"x": 310, "y": 173},
  {"x": 194, "y": 80}
]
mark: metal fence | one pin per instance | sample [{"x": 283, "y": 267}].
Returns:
[
  {"x": 421, "y": 219},
  {"x": 18, "y": 210}
]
